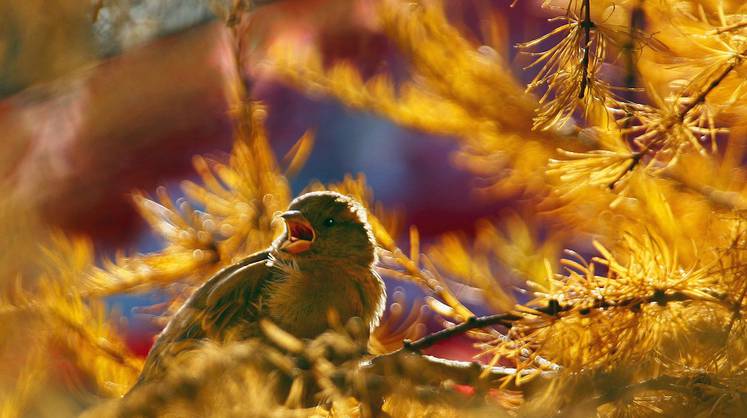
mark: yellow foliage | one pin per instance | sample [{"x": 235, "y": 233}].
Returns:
[
  {"x": 447, "y": 94},
  {"x": 654, "y": 324}
]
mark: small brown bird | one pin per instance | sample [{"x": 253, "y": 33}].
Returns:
[{"x": 323, "y": 261}]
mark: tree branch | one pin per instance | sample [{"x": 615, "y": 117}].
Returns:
[
  {"x": 586, "y": 24},
  {"x": 636, "y": 19},
  {"x": 700, "y": 98},
  {"x": 722, "y": 198},
  {"x": 432, "y": 370},
  {"x": 505, "y": 319},
  {"x": 681, "y": 114},
  {"x": 553, "y": 308},
  {"x": 729, "y": 28}
]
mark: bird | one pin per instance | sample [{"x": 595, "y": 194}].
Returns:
[{"x": 324, "y": 260}]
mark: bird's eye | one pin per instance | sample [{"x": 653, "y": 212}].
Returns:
[{"x": 329, "y": 222}]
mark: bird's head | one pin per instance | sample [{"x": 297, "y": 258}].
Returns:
[{"x": 327, "y": 225}]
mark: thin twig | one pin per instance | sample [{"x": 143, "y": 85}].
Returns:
[
  {"x": 505, "y": 319},
  {"x": 430, "y": 369},
  {"x": 700, "y": 98},
  {"x": 423, "y": 278},
  {"x": 587, "y": 24},
  {"x": 725, "y": 199},
  {"x": 635, "y": 159},
  {"x": 681, "y": 115},
  {"x": 99, "y": 344},
  {"x": 553, "y": 308},
  {"x": 636, "y": 18},
  {"x": 729, "y": 28},
  {"x": 680, "y": 384}
]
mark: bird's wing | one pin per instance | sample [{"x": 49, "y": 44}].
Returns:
[{"x": 227, "y": 299}]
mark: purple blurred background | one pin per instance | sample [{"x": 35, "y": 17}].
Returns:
[{"x": 138, "y": 103}]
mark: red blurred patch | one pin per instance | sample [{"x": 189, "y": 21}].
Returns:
[
  {"x": 464, "y": 389},
  {"x": 133, "y": 122},
  {"x": 140, "y": 341}
]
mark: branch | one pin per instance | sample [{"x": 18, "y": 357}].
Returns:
[
  {"x": 555, "y": 309},
  {"x": 429, "y": 279},
  {"x": 102, "y": 345},
  {"x": 587, "y": 24},
  {"x": 723, "y": 198},
  {"x": 636, "y": 19},
  {"x": 635, "y": 159},
  {"x": 685, "y": 385},
  {"x": 424, "y": 369},
  {"x": 728, "y": 28},
  {"x": 505, "y": 319},
  {"x": 681, "y": 115},
  {"x": 700, "y": 98}
]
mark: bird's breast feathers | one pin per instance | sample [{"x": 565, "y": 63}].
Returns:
[{"x": 303, "y": 292}]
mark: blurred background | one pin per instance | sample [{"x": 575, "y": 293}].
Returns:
[{"x": 102, "y": 98}]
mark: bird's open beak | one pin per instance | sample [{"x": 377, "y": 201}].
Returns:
[{"x": 300, "y": 232}]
